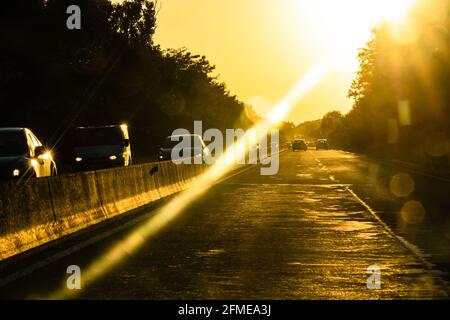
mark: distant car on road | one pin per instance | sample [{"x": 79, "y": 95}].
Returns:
[
  {"x": 299, "y": 144},
  {"x": 322, "y": 144},
  {"x": 289, "y": 145},
  {"x": 197, "y": 147},
  {"x": 23, "y": 155},
  {"x": 100, "y": 147}
]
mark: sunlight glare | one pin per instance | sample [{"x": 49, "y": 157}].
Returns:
[
  {"x": 298, "y": 91},
  {"x": 346, "y": 24},
  {"x": 168, "y": 212},
  {"x": 351, "y": 20}
]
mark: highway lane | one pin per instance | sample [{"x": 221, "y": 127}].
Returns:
[
  {"x": 388, "y": 188},
  {"x": 307, "y": 233}
]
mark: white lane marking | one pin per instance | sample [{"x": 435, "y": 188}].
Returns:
[
  {"x": 309, "y": 185},
  {"x": 305, "y": 175},
  {"x": 239, "y": 171},
  {"x": 412, "y": 248}
]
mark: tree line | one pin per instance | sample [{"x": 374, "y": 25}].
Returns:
[
  {"x": 401, "y": 92},
  {"x": 108, "y": 72}
]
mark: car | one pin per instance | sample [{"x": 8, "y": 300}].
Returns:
[
  {"x": 299, "y": 144},
  {"x": 322, "y": 144},
  {"x": 100, "y": 147},
  {"x": 289, "y": 145},
  {"x": 22, "y": 155},
  {"x": 195, "y": 147}
]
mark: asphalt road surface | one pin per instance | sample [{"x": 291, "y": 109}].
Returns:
[{"x": 310, "y": 232}]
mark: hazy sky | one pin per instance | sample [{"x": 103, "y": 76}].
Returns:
[{"x": 262, "y": 47}]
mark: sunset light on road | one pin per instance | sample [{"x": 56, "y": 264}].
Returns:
[{"x": 224, "y": 159}]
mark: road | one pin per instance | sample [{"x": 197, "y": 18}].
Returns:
[{"x": 309, "y": 232}]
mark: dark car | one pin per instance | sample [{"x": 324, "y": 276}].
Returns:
[
  {"x": 322, "y": 144},
  {"x": 299, "y": 144},
  {"x": 100, "y": 147},
  {"x": 23, "y": 155}
]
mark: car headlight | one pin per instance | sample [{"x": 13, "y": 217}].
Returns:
[
  {"x": 16, "y": 172},
  {"x": 113, "y": 157},
  {"x": 78, "y": 159},
  {"x": 48, "y": 155}
]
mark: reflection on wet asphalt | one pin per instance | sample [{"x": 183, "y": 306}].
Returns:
[{"x": 297, "y": 235}]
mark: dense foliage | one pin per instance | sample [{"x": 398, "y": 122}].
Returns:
[
  {"x": 402, "y": 91},
  {"x": 109, "y": 72}
]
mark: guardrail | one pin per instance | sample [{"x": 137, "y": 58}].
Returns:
[{"x": 46, "y": 209}]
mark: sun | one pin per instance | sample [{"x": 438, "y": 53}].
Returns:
[
  {"x": 346, "y": 24},
  {"x": 391, "y": 9}
]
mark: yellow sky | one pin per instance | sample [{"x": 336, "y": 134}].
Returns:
[{"x": 262, "y": 47}]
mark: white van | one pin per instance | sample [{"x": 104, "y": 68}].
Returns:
[{"x": 101, "y": 147}]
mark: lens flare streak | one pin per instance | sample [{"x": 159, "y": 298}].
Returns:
[{"x": 175, "y": 206}]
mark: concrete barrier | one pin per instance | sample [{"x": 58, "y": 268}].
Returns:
[
  {"x": 121, "y": 189},
  {"x": 26, "y": 216},
  {"x": 164, "y": 179},
  {"x": 46, "y": 209},
  {"x": 77, "y": 202},
  {"x": 147, "y": 176}
]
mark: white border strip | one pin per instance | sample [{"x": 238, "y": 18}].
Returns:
[{"x": 412, "y": 248}]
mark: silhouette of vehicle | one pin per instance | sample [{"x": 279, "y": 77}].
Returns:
[
  {"x": 299, "y": 144},
  {"x": 23, "y": 155},
  {"x": 289, "y": 145},
  {"x": 322, "y": 144},
  {"x": 101, "y": 147},
  {"x": 193, "y": 146}
]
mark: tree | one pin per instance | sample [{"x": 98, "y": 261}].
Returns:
[
  {"x": 108, "y": 72},
  {"x": 401, "y": 96}
]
